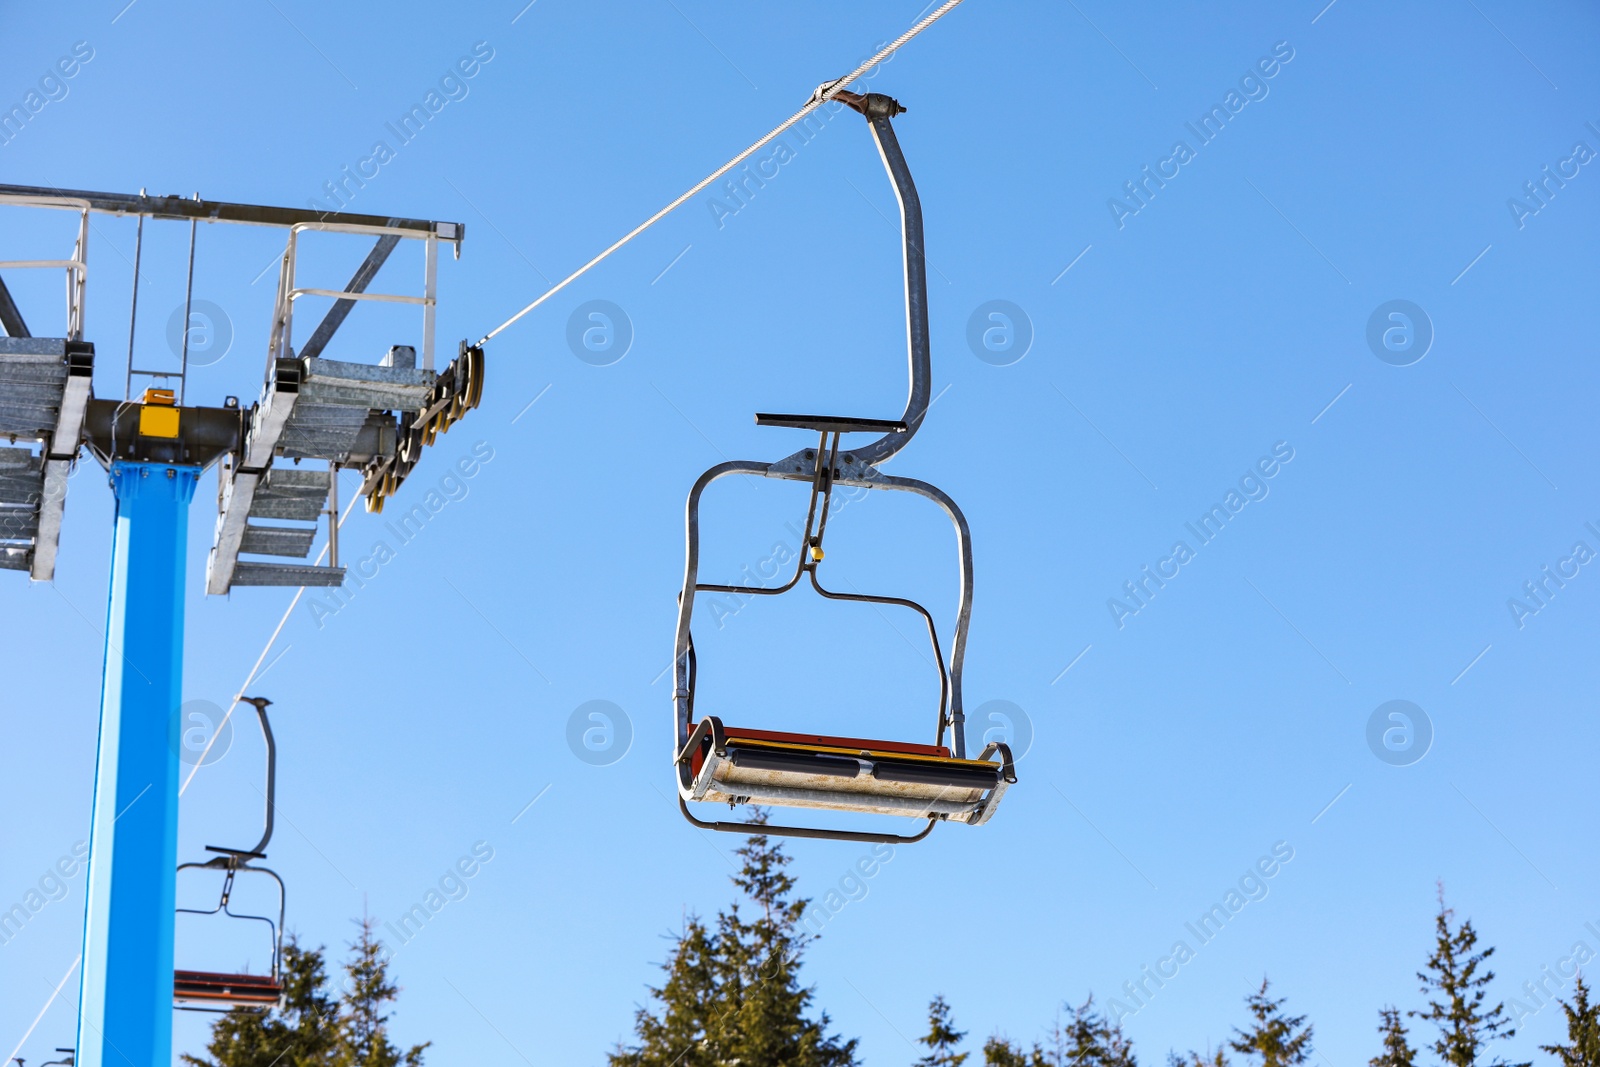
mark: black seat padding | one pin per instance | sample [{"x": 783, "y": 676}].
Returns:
[
  {"x": 792, "y": 762},
  {"x": 936, "y": 774}
]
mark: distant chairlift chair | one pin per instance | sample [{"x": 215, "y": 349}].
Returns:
[
  {"x": 716, "y": 762},
  {"x": 207, "y": 991}
]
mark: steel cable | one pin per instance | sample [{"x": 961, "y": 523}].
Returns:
[{"x": 826, "y": 93}]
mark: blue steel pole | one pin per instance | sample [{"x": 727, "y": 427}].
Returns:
[{"x": 125, "y": 1000}]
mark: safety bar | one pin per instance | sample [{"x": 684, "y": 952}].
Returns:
[
  {"x": 832, "y": 423},
  {"x": 232, "y": 866},
  {"x": 683, "y": 687}
]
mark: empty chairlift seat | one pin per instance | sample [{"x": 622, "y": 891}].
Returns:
[
  {"x": 739, "y": 765},
  {"x": 220, "y": 992}
]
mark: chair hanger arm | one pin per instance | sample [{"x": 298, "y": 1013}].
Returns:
[
  {"x": 880, "y": 110},
  {"x": 260, "y": 704}
]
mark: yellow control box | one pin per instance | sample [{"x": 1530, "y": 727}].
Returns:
[{"x": 158, "y": 416}]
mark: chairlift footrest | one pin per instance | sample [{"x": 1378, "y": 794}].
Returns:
[{"x": 831, "y": 423}]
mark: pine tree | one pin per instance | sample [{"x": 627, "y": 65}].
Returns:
[
  {"x": 733, "y": 994},
  {"x": 1465, "y": 1028},
  {"x": 1397, "y": 1050},
  {"x": 363, "y": 1032},
  {"x": 686, "y": 1034},
  {"x": 1000, "y": 1052},
  {"x": 1085, "y": 1038},
  {"x": 1218, "y": 1058},
  {"x": 1090, "y": 1040},
  {"x": 313, "y": 1028},
  {"x": 300, "y": 1034},
  {"x": 1277, "y": 1038},
  {"x": 1118, "y": 1049},
  {"x": 941, "y": 1038},
  {"x": 1583, "y": 1031}
]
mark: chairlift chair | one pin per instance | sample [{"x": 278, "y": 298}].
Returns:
[
  {"x": 217, "y": 992},
  {"x": 733, "y": 765}
]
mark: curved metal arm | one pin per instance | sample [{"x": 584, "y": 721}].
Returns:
[
  {"x": 260, "y": 704},
  {"x": 879, "y": 110}
]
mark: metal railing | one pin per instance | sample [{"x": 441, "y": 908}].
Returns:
[
  {"x": 77, "y": 268},
  {"x": 279, "y": 344}
]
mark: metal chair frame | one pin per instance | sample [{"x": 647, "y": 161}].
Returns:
[
  {"x": 824, "y": 467},
  {"x": 234, "y": 860}
]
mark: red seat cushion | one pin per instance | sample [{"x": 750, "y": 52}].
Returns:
[
  {"x": 854, "y": 744},
  {"x": 202, "y": 985},
  {"x": 850, "y": 744}
]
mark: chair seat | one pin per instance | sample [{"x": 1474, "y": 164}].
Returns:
[
  {"x": 242, "y": 989},
  {"x": 839, "y": 773}
]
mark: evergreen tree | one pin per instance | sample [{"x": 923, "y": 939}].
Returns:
[
  {"x": 1092, "y": 1041},
  {"x": 1397, "y": 1050},
  {"x": 313, "y": 1028},
  {"x": 1218, "y": 1058},
  {"x": 686, "y": 1034},
  {"x": 1118, "y": 1049},
  {"x": 363, "y": 1032},
  {"x": 299, "y": 1034},
  {"x": 1583, "y": 1031},
  {"x": 1280, "y": 1040},
  {"x": 732, "y": 995},
  {"x": 1000, "y": 1052},
  {"x": 1087, "y": 1040},
  {"x": 941, "y": 1038},
  {"x": 1456, "y": 991}
]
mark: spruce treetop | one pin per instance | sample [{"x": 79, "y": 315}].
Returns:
[
  {"x": 941, "y": 1038},
  {"x": 1219, "y": 1058},
  {"x": 1000, "y": 1052},
  {"x": 1583, "y": 1030},
  {"x": 314, "y": 1027},
  {"x": 1280, "y": 1040},
  {"x": 732, "y": 992},
  {"x": 1397, "y": 1050},
  {"x": 1456, "y": 983}
]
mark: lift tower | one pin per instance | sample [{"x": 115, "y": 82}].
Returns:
[{"x": 373, "y": 417}]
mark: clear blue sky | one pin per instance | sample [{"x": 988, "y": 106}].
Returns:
[{"x": 1218, "y": 321}]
